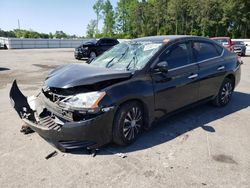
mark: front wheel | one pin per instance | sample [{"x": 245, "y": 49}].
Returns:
[
  {"x": 92, "y": 55},
  {"x": 128, "y": 123},
  {"x": 225, "y": 93}
]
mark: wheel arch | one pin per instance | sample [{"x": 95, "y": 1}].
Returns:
[
  {"x": 231, "y": 77},
  {"x": 144, "y": 108}
]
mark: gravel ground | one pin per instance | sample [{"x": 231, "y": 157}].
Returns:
[{"x": 201, "y": 147}]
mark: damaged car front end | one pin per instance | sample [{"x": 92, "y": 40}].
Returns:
[
  {"x": 68, "y": 114},
  {"x": 83, "y": 105}
]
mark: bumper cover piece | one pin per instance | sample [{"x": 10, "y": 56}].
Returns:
[{"x": 63, "y": 134}]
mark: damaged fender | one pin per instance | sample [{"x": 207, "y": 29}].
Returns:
[{"x": 64, "y": 134}]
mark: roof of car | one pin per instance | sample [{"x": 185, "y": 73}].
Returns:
[
  {"x": 108, "y": 38},
  {"x": 220, "y": 38},
  {"x": 164, "y": 38}
]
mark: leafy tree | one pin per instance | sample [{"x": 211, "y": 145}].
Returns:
[
  {"x": 98, "y": 7},
  {"x": 91, "y": 28},
  {"x": 60, "y": 35},
  {"x": 109, "y": 22},
  {"x": 7, "y": 33}
]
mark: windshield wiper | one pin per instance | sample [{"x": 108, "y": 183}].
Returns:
[
  {"x": 134, "y": 60},
  {"x": 108, "y": 65}
]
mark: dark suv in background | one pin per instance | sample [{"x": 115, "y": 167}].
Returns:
[{"x": 93, "y": 49}]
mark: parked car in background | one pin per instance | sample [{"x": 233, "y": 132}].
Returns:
[
  {"x": 123, "y": 91},
  {"x": 225, "y": 41},
  {"x": 3, "y": 46},
  {"x": 240, "y": 48},
  {"x": 94, "y": 48}
]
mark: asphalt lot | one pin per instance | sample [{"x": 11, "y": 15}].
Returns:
[{"x": 201, "y": 147}]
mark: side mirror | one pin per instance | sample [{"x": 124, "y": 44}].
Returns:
[
  {"x": 161, "y": 67},
  {"x": 246, "y": 44}
]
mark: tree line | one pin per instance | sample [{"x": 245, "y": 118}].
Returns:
[
  {"x": 22, "y": 33},
  {"x": 138, "y": 18}
]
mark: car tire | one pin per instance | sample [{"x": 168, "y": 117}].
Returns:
[
  {"x": 92, "y": 55},
  {"x": 225, "y": 93},
  {"x": 128, "y": 123}
]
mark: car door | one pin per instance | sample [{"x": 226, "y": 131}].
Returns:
[
  {"x": 178, "y": 87},
  {"x": 102, "y": 46},
  {"x": 212, "y": 67}
]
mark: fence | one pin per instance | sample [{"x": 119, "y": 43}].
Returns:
[{"x": 17, "y": 43}]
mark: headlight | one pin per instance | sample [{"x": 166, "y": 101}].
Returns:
[
  {"x": 82, "y": 101},
  {"x": 85, "y": 48}
]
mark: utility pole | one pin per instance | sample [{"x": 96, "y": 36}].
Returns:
[{"x": 18, "y": 24}]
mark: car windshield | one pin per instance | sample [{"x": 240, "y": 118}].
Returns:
[
  {"x": 221, "y": 41},
  {"x": 127, "y": 56},
  {"x": 239, "y": 42}
]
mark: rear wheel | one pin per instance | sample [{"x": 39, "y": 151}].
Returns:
[
  {"x": 225, "y": 93},
  {"x": 128, "y": 123}
]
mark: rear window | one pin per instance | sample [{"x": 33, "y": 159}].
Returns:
[
  {"x": 204, "y": 50},
  {"x": 218, "y": 48},
  {"x": 221, "y": 41},
  {"x": 239, "y": 42}
]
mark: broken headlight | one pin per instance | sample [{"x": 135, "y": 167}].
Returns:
[{"x": 82, "y": 101}]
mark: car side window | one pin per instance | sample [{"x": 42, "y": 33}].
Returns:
[
  {"x": 204, "y": 50},
  {"x": 111, "y": 42},
  {"x": 102, "y": 42},
  {"x": 178, "y": 55}
]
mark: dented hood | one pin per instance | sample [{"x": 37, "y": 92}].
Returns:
[{"x": 73, "y": 75}]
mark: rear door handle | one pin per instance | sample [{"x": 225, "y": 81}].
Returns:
[
  {"x": 221, "y": 68},
  {"x": 193, "y": 76}
]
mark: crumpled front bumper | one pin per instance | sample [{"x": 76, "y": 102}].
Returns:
[{"x": 91, "y": 133}]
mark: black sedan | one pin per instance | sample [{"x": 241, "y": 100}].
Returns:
[
  {"x": 122, "y": 92},
  {"x": 93, "y": 49}
]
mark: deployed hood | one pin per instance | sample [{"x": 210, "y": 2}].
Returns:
[{"x": 73, "y": 75}]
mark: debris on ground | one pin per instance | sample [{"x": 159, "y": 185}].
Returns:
[
  {"x": 26, "y": 129},
  {"x": 122, "y": 155},
  {"x": 52, "y": 154}
]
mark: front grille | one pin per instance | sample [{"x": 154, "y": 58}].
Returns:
[
  {"x": 49, "y": 123},
  {"x": 54, "y": 108},
  {"x": 53, "y": 97},
  {"x": 235, "y": 48}
]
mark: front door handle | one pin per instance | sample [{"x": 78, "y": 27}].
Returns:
[
  {"x": 193, "y": 76},
  {"x": 221, "y": 68}
]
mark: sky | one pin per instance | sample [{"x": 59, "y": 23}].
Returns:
[{"x": 70, "y": 16}]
